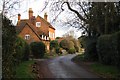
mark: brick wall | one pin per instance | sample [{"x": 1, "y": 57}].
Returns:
[{"x": 27, "y": 30}]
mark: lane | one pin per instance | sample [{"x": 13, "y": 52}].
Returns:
[{"x": 63, "y": 67}]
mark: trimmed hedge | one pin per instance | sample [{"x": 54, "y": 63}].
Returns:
[
  {"x": 90, "y": 49},
  {"x": 38, "y": 49},
  {"x": 108, "y": 47}
]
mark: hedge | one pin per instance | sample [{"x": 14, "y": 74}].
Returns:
[
  {"x": 38, "y": 49},
  {"x": 90, "y": 49},
  {"x": 108, "y": 47}
]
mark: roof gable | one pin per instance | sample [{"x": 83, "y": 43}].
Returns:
[
  {"x": 46, "y": 22},
  {"x": 22, "y": 26}
]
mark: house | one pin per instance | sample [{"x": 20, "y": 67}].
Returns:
[{"x": 35, "y": 29}]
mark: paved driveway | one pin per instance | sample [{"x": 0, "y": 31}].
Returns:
[{"x": 63, "y": 67}]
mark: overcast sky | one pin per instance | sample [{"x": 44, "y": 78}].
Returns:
[{"x": 37, "y": 6}]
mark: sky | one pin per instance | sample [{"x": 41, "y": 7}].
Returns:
[{"x": 37, "y": 6}]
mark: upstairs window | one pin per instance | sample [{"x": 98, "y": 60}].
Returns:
[
  {"x": 38, "y": 24},
  {"x": 27, "y": 37}
]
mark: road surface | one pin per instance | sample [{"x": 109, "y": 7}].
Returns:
[{"x": 63, "y": 67}]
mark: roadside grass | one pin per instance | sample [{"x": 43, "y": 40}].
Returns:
[
  {"x": 78, "y": 58},
  {"x": 106, "y": 71},
  {"x": 48, "y": 55},
  {"x": 24, "y": 70}
]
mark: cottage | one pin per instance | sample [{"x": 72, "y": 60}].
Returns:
[{"x": 35, "y": 29}]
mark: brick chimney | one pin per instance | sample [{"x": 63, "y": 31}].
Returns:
[
  {"x": 19, "y": 16},
  {"x": 30, "y": 13},
  {"x": 45, "y": 16}
]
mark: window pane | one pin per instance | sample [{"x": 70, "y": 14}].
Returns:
[
  {"x": 38, "y": 24},
  {"x": 27, "y": 37}
]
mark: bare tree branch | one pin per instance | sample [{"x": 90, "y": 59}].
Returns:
[
  {"x": 83, "y": 9},
  {"x": 46, "y": 4},
  {"x": 75, "y": 12}
]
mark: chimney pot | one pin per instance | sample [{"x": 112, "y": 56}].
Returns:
[
  {"x": 19, "y": 16},
  {"x": 45, "y": 16},
  {"x": 30, "y": 13}
]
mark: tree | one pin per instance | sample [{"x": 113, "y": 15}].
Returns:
[
  {"x": 94, "y": 18},
  {"x": 8, "y": 49},
  {"x": 82, "y": 41},
  {"x": 8, "y": 6}
]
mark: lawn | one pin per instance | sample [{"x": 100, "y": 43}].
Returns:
[
  {"x": 24, "y": 70},
  {"x": 106, "y": 71}
]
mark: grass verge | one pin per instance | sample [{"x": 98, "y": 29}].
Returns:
[
  {"x": 24, "y": 70},
  {"x": 106, "y": 71}
]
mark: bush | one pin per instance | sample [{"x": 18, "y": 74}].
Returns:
[
  {"x": 38, "y": 49},
  {"x": 53, "y": 44},
  {"x": 57, "y": 49},
  {"x": 71, "y": 51},
  {"x": 26, "y": 52},
  {"x": 109, "y": 49},
  {"x": 90, "y": 49},
  {"x": 22, "y": 50},
  {"x": 64, "y": 44}
]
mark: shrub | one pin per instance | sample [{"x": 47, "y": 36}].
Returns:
[
  {"x": 57, "y": 49},
  {"x": 105, "y": 50},
  {"x": 90, "y": 49},
  {"x": 71, "y": 44},
  {"x": 26, "y": 52},
  {"x": 22, "y": 50},
  {"x": 109, "y": 49},
  {"x": 64, "y": 44},
  {"x": 53, "y": 44},
  {"x": 38, "y": 49},
  {"x": 71, "y": 51}
]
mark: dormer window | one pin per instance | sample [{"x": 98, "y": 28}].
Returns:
[
  {"x": 38, "y": 24},
  {"x": 27, "y": 37}
]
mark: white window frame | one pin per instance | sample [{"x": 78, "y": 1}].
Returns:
[
  {"x": 53, "y": 35},
  {"x": 47, "y": 38},
  {"x": 27, "y": 37},
  {"x": 38, "y": 24}
]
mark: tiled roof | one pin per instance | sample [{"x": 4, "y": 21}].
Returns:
[
  {"x": 46, "y": 22},
  {"x": 22, "y": 24}
]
